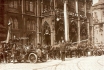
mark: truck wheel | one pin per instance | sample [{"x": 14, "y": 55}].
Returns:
[{"x": 32, "y": 58}]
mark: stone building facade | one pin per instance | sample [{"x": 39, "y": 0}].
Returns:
[
  {"x": 3, "y": 29},
  {"x": 98, "y": 22},
  {"x": 22, "y": 14},
  {"x": 42, "y": 21}
]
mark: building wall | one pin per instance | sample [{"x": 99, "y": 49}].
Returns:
[
  {"x": 13, "y": 16},
  {"x": 98, "y": 22},
  {"x": 51, "y": 23},
  {"x": 23, "y": 20},
  {"x": 29, "y": 17},
  {"x": 3, "y": 26},
  {"x": 99, "y": 16}
]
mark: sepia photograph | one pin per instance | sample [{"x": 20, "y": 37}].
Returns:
[{"x": 51, "y": 34}]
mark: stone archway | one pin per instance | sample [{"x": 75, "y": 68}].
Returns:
[
  {"x": 73, "y": 31},
  {"x": 83, "y": 31},
  {"x": 46, "y": 34},
  {"x": 59, "y": 28}
]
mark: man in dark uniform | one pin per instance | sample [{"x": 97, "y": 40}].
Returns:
[
  {"x": 39, "y": 50},
  {"x": 62, "y": 50},
  {"x": 79, "y": 50}
]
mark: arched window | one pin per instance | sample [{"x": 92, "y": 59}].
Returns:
[
  {"x": 95, "y": 15},
  {"x": 15, "y": 3},
  {"x": 11, "y": 3},
  {"x": 33, "y": 25},
  {"x": 28, "y": 25},
  {"x": 15, "y": 23},
  {"x": 27, "y": 6},
  {"x": 11, "y": 21},
  {"x": 31, "y": 6}
]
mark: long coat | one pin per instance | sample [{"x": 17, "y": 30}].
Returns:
[{"x": 62, "y": 47}]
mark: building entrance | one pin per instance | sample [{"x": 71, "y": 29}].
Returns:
[
  {"x": 83, "y": 31},
  {"x": 73, "y": 32},
  {"x": 46, "y": 34},
  {"x": 59, "y": 28}
]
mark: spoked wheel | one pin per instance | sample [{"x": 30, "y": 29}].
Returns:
[{"x": 32, "y": 58}]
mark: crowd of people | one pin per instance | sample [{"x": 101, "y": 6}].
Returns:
[
  {"x": 59, "y": 50},
  {"x": 64, "y": 50}
]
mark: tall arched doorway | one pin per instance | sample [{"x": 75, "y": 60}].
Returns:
[
  {"x": 83, "y": 31},
  {"x": 59, "y": 29},
  {"x": 46, "y": 33},
  {"x": 73, "y": 31}
]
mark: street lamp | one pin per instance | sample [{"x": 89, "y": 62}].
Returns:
[
  {"x": 58, "y": 19},
  {"x": 14, "y": 37}
]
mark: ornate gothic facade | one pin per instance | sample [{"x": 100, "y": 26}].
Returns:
[{"x": 43, "y": 20}]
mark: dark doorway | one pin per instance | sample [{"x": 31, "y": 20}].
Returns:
[
  {"x": 59, "y": 28},
  {"x": 46, "y": 34},
  {"x": 73, "y": 32},
  {"x": 83, "y": 31}
]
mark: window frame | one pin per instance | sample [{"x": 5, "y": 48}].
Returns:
[
  {"x": 13, "y": 4},
  {"x": 28, "y": 4},
  {"x": 29, "y": 25},
  {"x": 15, "y": 23},
  {"x": 31, "y": 6},
  {"x": 33, "y": 25}
]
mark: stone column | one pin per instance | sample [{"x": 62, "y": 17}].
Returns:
[
  {"x": 42, "y": 7},
  {"x": 66, "y": 23},
  {"x": 52, "y": 32},
  {"x": 23, "y": 21},
  {"x": 91, "y": 31},
  {"x": 24, "y": 28},
  {"x": 38, "y": 21},
  {"x": 103, "y": 33},
  {"x": 85, "y": 8},
  {"x": 78, "y": 21},
  {"x": 52, "y": 37},
  {"x": 54, "y": 4},
  {"x": 88, "y": 29}
]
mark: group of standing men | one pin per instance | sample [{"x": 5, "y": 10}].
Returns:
[{"x": 59, "y": 50}]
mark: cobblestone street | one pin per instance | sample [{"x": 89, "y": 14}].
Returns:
[{"x": 83, "y": 63}]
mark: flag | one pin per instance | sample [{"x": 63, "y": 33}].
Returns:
[
  {"x": 9, "y": 24},
  {"x": 8, "y": 35}
]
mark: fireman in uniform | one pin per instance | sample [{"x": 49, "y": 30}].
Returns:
[{"x": 62, "y": 50}]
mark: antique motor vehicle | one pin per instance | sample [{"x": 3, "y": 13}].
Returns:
[
  {"x": 32, "y": 55},
  {"x": 37, "y": 55}
]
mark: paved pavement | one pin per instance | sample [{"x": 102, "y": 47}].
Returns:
[{"x": 83, "y": 63}]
